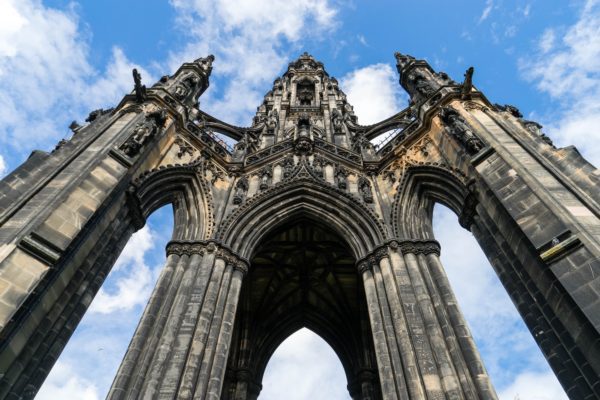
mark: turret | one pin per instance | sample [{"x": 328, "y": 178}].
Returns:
[{"x": 418, "y": 78}]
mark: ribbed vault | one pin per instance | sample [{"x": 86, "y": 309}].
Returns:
[{"x": 302, "y": 275}]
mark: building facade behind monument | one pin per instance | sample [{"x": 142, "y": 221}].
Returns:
[{"x": 304, "y": 222}]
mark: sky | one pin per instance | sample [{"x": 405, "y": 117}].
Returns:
[{"x": 61, "y": 59}]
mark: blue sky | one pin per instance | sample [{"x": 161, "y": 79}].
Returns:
[{"x": 61, "y": 59}]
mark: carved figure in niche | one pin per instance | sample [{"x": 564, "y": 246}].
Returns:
[
  {"x": 272, "y": 120},
  {"x": 337, "y": 120},
  {"x": 206, "y": 63},
  {"x": 265, "y": 174},
  {"x": 140, "y": 90},
  {"x": 365, "y": 189},
  {"x": 305, "y": 92},
  {"x": 143, "y": 131},
  {"x": 243, "y": 146},
  {"x": 318, "y": 164},
  {"x": 467, "y": 86},
  {"x": 288, "y": 167},
  {"x": 423, "y": 86},
  {"x": 458, "y": 127},
  {"x": 180, "y": 92},
  {"x": 241, "y": 187},
  {"x": 341, "y": 177}
]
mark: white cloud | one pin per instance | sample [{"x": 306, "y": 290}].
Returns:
[
  {"x": 3, "y": 168},
  {"x": 569, "y": 71},
  {"x": 65, "y": 383},
  {"x": 251, "y": 40},
  {"x": 534, "y": 386},
  {"x": 374, "y": 92},
  {"x": 134, "y": 285},
  {"x": 306, "y": 363},
  {"x": 46, "y": 79},
  {"x": 489, "y": 5}
]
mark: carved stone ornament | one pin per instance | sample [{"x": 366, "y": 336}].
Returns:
[
  {"x": 184, "y": 148},
  {"x": 265, "y": 175},
  {"x": 364, "y": 186},
  {"x": 457, "y": 127},
  {"x": 143, "y": 132},
  {"x": 241, "y": 187},
  {"x": 467, "y": 86},
  {"x": 341, "y": 177},
  {"x": 140, "y": 90}
]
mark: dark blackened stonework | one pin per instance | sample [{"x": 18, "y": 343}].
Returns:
[{"x": 302, "y": 224}]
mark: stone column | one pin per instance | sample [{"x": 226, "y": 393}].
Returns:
[
  {"x": 183, "y": 352},
  {"x": 418, "y": 330}
]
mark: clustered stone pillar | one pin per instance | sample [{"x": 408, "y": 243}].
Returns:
[
  {"x": 180, "y": 347},
  {"x": 423, "y": 345}
]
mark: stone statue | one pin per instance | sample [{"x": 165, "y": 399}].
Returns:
[
  {"x": 337, "y": 120},
  {"x": 341, "y": 176},
  {"x": 365, "y": 189},
  {"x": 143, "y": 131},
  {"x": 456, "y": 126},
  {"x": 140, "y": 90},
  {"x": 272, "y": 120},
  {"x": 423, "y": 86},
  {"x": 241, "y": 187},
  {"x": 206, "y": 63},
  {"x": 265, "y": 175},
  {"x": 467, "y": 86}
]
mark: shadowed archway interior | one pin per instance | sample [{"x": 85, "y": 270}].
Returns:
[{"x": 301, "y": 275}]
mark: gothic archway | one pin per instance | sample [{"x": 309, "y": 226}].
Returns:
[{"x": 302, "y": 274}]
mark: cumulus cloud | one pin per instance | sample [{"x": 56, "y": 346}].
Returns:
[
  {"x": 65, "y": 383},
  {"x": 568, "y": 70},
  {"x": 134, "y": 285},
  {"x": 306, "y": 363},
  {"x": 252, "y": 40},
  {"x": 374, "y": 92},
  {"x": 46, "y": 79},
  {"x": 534, "y": 386}
]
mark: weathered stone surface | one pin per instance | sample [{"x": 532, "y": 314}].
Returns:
[{"x": 302, "y": 223}]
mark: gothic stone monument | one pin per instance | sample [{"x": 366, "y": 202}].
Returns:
[{"x": 304, "y": 223}]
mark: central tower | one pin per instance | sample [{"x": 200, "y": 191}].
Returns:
[{"x": 302, "y": 223}]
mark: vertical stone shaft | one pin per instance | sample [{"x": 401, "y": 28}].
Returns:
[
  {"x": 220, "y": 361},
  {"x": 205, "y": 372},
  {"x": 165, "y": 346},
  {"x": 386, "y": 373},
  {"x": 153, "y": 340},
  {"x": 176, "y": 363},
  {"x": 201, "y": 333},
  {"x": 469, "y": 354},
  {"x": 413, "y": 379},
  {"x": 418, "y": 333},
  {"x": 388, "y": 325},
  {"x": 143, "y": 330}
]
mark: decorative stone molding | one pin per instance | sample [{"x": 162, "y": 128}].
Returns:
[{"x": 185, "y": 247}]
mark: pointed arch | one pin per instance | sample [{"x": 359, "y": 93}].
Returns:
[
  {"x": 421, "y": 187},
  {"x": 185, "y": 187},
  {"x": 307, "y": 197}
]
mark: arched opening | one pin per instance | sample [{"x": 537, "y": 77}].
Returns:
[
  {"x": 89, "y": 362},
  {"x": 302, "y": 274},
  {"x": 306, "y": 363},
  {"x": 513, "y": 360}
]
